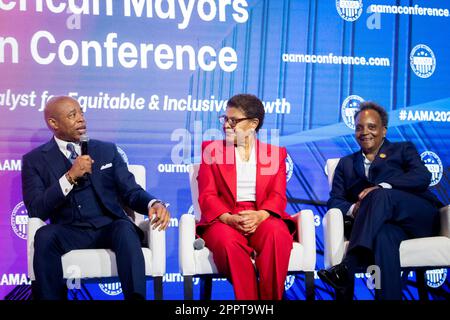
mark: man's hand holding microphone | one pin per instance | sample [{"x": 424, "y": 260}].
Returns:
[{"x": 82, "y": 165}]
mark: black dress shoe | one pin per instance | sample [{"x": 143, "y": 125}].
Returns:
[{"x": 339, "y": 278}]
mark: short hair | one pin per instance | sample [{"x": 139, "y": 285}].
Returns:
[
  {"x": 250, "y": 105},
  {"x": 370, "y": 105}
]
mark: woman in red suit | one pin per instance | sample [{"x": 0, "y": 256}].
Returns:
[{"x": 242, "y": 197}]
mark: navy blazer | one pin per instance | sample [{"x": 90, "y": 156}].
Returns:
[
  {"x": 111, "y": 180},
  {"x": 398, "y": 164}
]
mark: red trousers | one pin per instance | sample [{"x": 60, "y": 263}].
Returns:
[{"x": 270, "y": 244}]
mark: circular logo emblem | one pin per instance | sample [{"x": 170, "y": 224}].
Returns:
[
  {"x": 349, "y": 10},
  {"x": 289, "y": 167},
  {"x": 422, "y": 61},
  {"x": 436, "y": 278},
  {"x": 290, "y": 279},
  {"x": 111, "y": 289},
  {"x": 122, "y": 154},
  {"x": 19, "y": 220},
  {"x": 349, "y": 108},
  {"x": 434, "y": 165}
]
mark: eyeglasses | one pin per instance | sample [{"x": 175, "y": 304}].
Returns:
[{"x": 231, "y": 121}]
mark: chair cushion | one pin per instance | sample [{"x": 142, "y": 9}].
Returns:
[
  {"x": 97, "y": 263},
  {"x": 296, "y": 262},
  {"x": 424, "y": 252},
  {"x": 204, "y": 262}
]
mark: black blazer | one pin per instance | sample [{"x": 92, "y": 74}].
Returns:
[
  {"x": 398, "y": 164},
  {"x": 112, "y": 182}
]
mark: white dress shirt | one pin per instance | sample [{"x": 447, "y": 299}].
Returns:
[
  {"x": 246, "y": 176},
  {"x": 65, "y": 185}
]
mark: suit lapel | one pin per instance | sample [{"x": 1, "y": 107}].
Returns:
[
  {"x": 358, "y": 165},
  {"x": 379, "y": 159},
  {"x": 226, "y": 162},
  {"x": 54, "y": 159},
  {"x": 263, "y": 160},
  {"x": 95, "y": 155}
]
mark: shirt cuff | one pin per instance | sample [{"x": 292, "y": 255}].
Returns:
[
  {"x": 385, "y": 185},
  {"x": 65, "y": 185},
  {"x": 350, "y": 211}
]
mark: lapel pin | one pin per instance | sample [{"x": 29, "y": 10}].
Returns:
[{"x": 382, "y": 155}]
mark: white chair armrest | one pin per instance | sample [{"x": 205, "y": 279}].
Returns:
[
  {"x": 186, "y": 257},
  {"x": 445, "y": 221},
  {"x": 306, "y": 231},
  {"x": 333, "y": 233},
  {"x": 157, "y": 245},
  {"x": 33, "y": 225}
]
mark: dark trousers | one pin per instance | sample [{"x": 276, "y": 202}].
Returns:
[
  {"x": 385, "y": 218},
  {"x": 53, "y": 240}
]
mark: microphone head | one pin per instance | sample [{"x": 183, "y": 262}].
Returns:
[
  {"x": 199, "y": 244},
  {"x": 84, "y": 138}
]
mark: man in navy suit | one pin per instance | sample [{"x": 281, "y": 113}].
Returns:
[
  {"x": 83, "y": 197},
  {"x": 383, "y": 188}
]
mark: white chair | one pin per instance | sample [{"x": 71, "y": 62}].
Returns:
[
  {"x": 101, "y": 263},
  {"x": 200, "y": 263},
  {"x": 419, "y": 254}
]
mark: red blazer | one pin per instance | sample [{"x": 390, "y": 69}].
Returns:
[{"x": 217, "y": 181}]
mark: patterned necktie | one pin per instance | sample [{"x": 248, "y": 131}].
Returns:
[{"x": 73, "y": 153}]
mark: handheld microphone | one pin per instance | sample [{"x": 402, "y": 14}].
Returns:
[
  {"x": 199, "y": 244},
  {"x": 84, "y": 139}
]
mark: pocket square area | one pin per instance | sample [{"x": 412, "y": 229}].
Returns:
[{"x": 106, "y": 166}]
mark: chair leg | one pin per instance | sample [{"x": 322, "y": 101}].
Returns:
[
  {"x": 421, "y": 285},
  {"x": 158, "y": 287},
  {"x": 205, "y": 288},
  {"x": 309, "y": 285},
  {"x": 188, "y": 288}
]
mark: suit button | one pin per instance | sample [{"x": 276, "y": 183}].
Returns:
[{"x": 79, "y": 206}]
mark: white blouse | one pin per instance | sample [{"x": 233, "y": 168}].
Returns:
[{"x": 246, "y": 176}]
